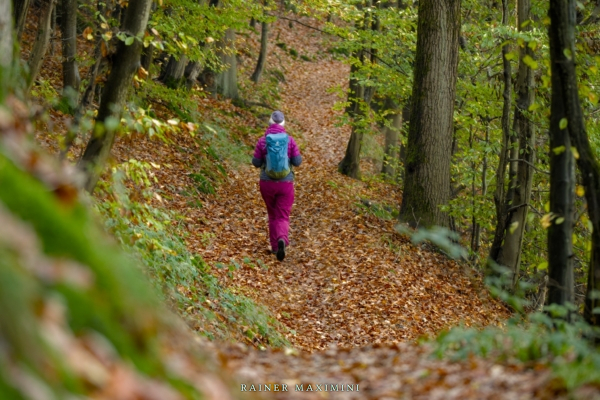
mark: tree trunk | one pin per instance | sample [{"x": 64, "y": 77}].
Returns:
[
  {"x": 350, "y": 164},
  {"x": 262, "y": 58},
  {"x": 20, "y": 16},
  {"x": 173, "y": 74},
  {"x": 68, "y": 22},
  {"x": 501, "y": 198},
  {"x": 427, "y": 170},
  {"x": 6, "y": 43},
  {"x": 227, "y": 80},
  {"x": 358, "y": 98},
  {"x": 565, "y": 95},
  {"x": 41, "y": 42},
  {"x": 564, "y": 106},
  {"x": 524, "y": 131},
  {"x": 147, "y": 57},
  {"x": 126, "y": 62},
  {"x": 192, "y": 70},
  {"x": 392, "y": 132},
  {"x": 512, "y": 213}
]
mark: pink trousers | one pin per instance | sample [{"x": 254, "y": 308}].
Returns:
[{"x": 279, "y": 198}]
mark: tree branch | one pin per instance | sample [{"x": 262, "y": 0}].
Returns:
[{"x": 530, "y": 164}]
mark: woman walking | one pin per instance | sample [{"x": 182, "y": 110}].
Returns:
[{"x": 275, "y": 154}]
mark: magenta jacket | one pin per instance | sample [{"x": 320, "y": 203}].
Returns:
[{"x": 260, "y": 153}]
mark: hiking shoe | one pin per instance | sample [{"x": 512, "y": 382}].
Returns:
[{"x": 280, "y": 249}]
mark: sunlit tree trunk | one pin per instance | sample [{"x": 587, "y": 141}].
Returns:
[
  {"x": 565, "y": 120},
  {"x": 427, "y": 167},
  {"x": 126, "y": 62},
  {"x": 6, "y": 43},
  {"x": 41, "y": 42},
  {"x": 227, "y": 80}
]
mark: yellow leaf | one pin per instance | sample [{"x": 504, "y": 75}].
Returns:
[
  {"x": 513, "y": 227},
  {"x": 575, "y": 153},
  {"x": 546, "y": 220},
  {"x": 580, "y": 191},
  {"x": 559, "y": 220}
]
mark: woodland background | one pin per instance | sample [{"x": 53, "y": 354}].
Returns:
[{"x": 445, "y": 235}]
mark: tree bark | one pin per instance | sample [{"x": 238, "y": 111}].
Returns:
[
  {"x": 68, "y": 22},
  {"x": 173, "y": 74},
  {"x": 147, "y": 57},
  {"x": 392, "y": 132},
  {"x": 6, "y": 44},
  {"x": 427, "y": 168},
  {"x": 262, "y": 58},
  {"x": 566, "y": 97},
  {"x": 126, "y": 62},
  {"x": 192, "y": 71},
  {"x": 20, "y": 15},
  {"x": 350, "y": 164},
  {"x": 41, "y": 42},
  {"x": 227, "y": 80},
  {"x": 564, "y": 106}
]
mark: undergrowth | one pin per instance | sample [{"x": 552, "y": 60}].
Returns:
[{"x": 184, "y": 279}]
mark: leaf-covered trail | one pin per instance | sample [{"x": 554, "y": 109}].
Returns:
[{"x": 348, "y": 278}]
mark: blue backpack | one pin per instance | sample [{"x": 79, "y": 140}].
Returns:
[{"x": 278, "y": 163}]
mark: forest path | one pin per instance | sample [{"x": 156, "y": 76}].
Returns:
[{"x": 348, "y": 278}]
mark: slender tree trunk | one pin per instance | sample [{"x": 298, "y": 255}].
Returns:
[
  {"x": 126, "y": 62},
  {"x": 392, "y": 132},
  {"x": 524, "y": 131},
  {"x": 147, "y": 57},
  {"x": 350, "y": 164},
  {"x": 427, "y": 168},
  {"x": 68, "y": 22},
  {"x": 508, "y": 145},
  {"x": 227, "y": 80},
  {"x": 262, "y": 58},
  {"x": 20, "y": 15},
  {"x": 359, "y": 97},
  {"x": 564, "y": 101},
  {"x": 41, "y": 42}
]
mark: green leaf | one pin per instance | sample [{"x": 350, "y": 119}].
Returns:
[
  {"x": 559, "y": 220},
  {"x": 530, "y": 62},
  {"x": 129, "y": 40},
  {"x": 532, "y": 45},
  {"x": 543, "y": 265},
  {"x": 559, "y": 150},
  {"x": 568, "y": 53},
  {"x": 563, "y": 123}
]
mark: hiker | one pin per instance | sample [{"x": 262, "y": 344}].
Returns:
[{"x": 275, "y": 154}]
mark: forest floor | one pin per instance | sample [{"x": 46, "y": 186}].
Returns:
[{"x": 354, "y": 293}]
